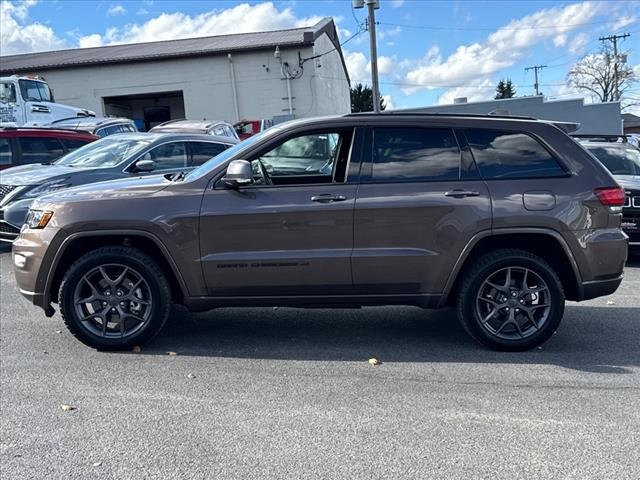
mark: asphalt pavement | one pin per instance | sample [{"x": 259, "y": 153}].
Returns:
[{"x": 290, "y": 394}]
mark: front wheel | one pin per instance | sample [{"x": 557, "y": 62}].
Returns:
[
  {"x": 114, "y": 298},
  {"x": 511, "y": 300}
]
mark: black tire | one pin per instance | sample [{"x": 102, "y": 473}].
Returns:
[
  {"x": 134, "y": 261},
  {"x": 473, "y": 298}
]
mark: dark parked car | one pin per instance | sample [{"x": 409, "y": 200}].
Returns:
[
  {"x": 25, "y": 145},
  {"x": 622, "y": 159},
  {"x": 503, "y": 217},
  {"x": 219, "y": 128},
  {"x": 117, "y": 156},
  {"x": 100, "y": 126}
]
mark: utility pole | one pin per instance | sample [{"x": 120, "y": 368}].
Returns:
[
  {"x": 614, "y": 40},
  {"x": 535, "y": 69},
  {"x": 372, "y": 5}
]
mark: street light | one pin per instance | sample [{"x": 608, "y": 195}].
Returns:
[{"x": 372, "y": 5}]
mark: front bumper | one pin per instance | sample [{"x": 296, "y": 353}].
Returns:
[{"x": 33, "y": 254}]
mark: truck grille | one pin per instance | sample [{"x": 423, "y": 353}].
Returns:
[
  {"x": 5, "y": 190},
  {"x": 6, "y": 228}
]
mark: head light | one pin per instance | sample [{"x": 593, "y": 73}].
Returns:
[
  {"x": 38, "y": 218},
  {"x": 46, "y": 188}
]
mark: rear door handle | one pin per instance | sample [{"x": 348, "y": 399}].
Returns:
[
  {"x": 461, "y": 193},
  {"x": 328, "y": 197}
]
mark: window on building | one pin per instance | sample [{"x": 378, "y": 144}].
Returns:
[
  {"x": 501, "y": 154},
  {"x": 415, "y": 154},
  {"x": 5, "y": 151}
]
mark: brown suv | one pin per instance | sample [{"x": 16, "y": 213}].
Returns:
[{"x": 503, "y": 217}]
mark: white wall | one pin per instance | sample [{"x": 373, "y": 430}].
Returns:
[{"x": 206, "y": 83}]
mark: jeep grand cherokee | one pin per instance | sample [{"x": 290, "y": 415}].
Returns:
[{"x": 502, "y": 217}]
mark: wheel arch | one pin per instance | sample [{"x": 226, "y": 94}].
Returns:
[
  {"x": 545, "y": 243},
  {"x": 80, "y": 243}
]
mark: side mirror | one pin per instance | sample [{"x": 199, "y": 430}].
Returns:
[
  {"x": 239, "y": 173},
  {"x": 145, "y": 166}
]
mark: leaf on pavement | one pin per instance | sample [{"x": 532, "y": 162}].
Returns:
[
  {"x": 172, "y": 354},
  {"x": 191, "y": 375},
  {"x": 67, "y": 408},
  {"x": 374, "y": 361},
  {"x": 610, "y": 302},
  {"x": 137, "y": 349}
]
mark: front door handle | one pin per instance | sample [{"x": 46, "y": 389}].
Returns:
[
  {"x": 461, "y": 193},
  {"x": 328, "y": 197}
]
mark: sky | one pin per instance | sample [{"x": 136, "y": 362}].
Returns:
[{"x": 429, "y": 52}]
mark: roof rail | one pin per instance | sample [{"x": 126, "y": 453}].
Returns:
[
  {"x": 603, "y": 138},
  {"x": 440, "y": 114}
]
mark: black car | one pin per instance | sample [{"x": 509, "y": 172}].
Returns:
[{"x": 622, "y": 159}]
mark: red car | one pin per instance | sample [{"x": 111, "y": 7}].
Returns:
[
  {"x": 23, "y": 145},
  {"x": 247, "y": 128}
]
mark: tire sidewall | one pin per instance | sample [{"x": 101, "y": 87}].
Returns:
[
  {"x": 473, "y": 323},
  {"x": 157, "y": 285}
]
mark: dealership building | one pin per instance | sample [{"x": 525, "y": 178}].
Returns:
[{"x": 296, "y": 72}]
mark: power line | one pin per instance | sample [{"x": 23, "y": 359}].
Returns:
[
  {"x": 614, "y": 40},
  {"x": 487, "y": 29}
]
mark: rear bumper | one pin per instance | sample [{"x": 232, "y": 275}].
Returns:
[{"x": 600, "y": 288}]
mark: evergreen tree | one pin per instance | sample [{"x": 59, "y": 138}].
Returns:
[
  {"x": 505, "y": 89},
  {"x": 362, "y": 99}
]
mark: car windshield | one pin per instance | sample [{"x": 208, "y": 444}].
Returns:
[
  {"x": 35, "y": 91},
  {"x": 221, "y": 158},
  {"x": 104, "y": 153},
  {"x": 618, "y": 160}
]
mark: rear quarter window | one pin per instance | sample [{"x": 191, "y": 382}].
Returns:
[
  {"x": 39, "y": 149},
  {"x": 502, "y": 154}
]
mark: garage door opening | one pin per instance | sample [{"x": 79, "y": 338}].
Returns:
[{"x": 146, "y": 109}]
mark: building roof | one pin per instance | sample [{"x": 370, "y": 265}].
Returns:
[{"x": 166, "y": 49}]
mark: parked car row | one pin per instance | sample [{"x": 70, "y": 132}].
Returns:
[{"x": 112, "y": 157}]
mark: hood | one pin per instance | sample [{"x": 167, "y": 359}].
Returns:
[
  {"x": 34, "y": 174},
  {"x": 43, "y": 113},
  {"x": 121, "y": 188},
  {"x": 628, "y": 181}
]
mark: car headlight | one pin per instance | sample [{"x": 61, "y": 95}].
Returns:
[
  {"x": 46, "y": 188},
  {"x": 38, "y": 218}
]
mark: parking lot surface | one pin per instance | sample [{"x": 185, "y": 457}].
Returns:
[{"x": 286, "y": 393}]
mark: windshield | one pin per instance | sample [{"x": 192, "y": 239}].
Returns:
[
  {"x": 222, "y": 157},
  {"x": 103, "y": 153},
  {"x": 34, "y": 91},
  {"x": 619, "y": 161}
]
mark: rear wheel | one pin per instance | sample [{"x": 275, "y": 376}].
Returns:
[
  {"x": 114, "y": 298},
  {"x": 511, "y": 300}
]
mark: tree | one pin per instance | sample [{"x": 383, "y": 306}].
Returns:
[
  {"x": 596, "y": 73},
  {"x": 362, "y": 99},
  {"x": 505, "y": 89}
]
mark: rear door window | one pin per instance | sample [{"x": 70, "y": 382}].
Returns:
[
  {"x": 203, "y": 151},
  {"x": 415, "y": 154},
  {"x": 168, "y": 155},
  {"x": 5, "y": 151},
  {"x": 39, "y": 149},
  {"x": 501, "y": 154}
]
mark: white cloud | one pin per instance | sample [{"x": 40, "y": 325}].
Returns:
[
  {"x": 142, "y": 11},
  {"x": 358, "y": 67},
  {"x": 578, "y": 42},
  {"x": 560, "y": 40},
  {"x": 397, "y": 3},
  {"x": 388, "y": 103},
  {"x": 243, "y": 18},
  {"x": 116, "y": 10},
  {"x": 94, "y": 40},
  {"x": 389, "y": 32},
  {"x": 501, "y": 49},
  {"x": 385, "y": 65},
  {"x": 17, "y": 35},
  {"x": 477, "y": 91}
]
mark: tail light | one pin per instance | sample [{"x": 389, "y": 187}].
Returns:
[{"x": 611, "y": 196}]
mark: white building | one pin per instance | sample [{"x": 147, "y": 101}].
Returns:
[{"x": 299, "y": 72}]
